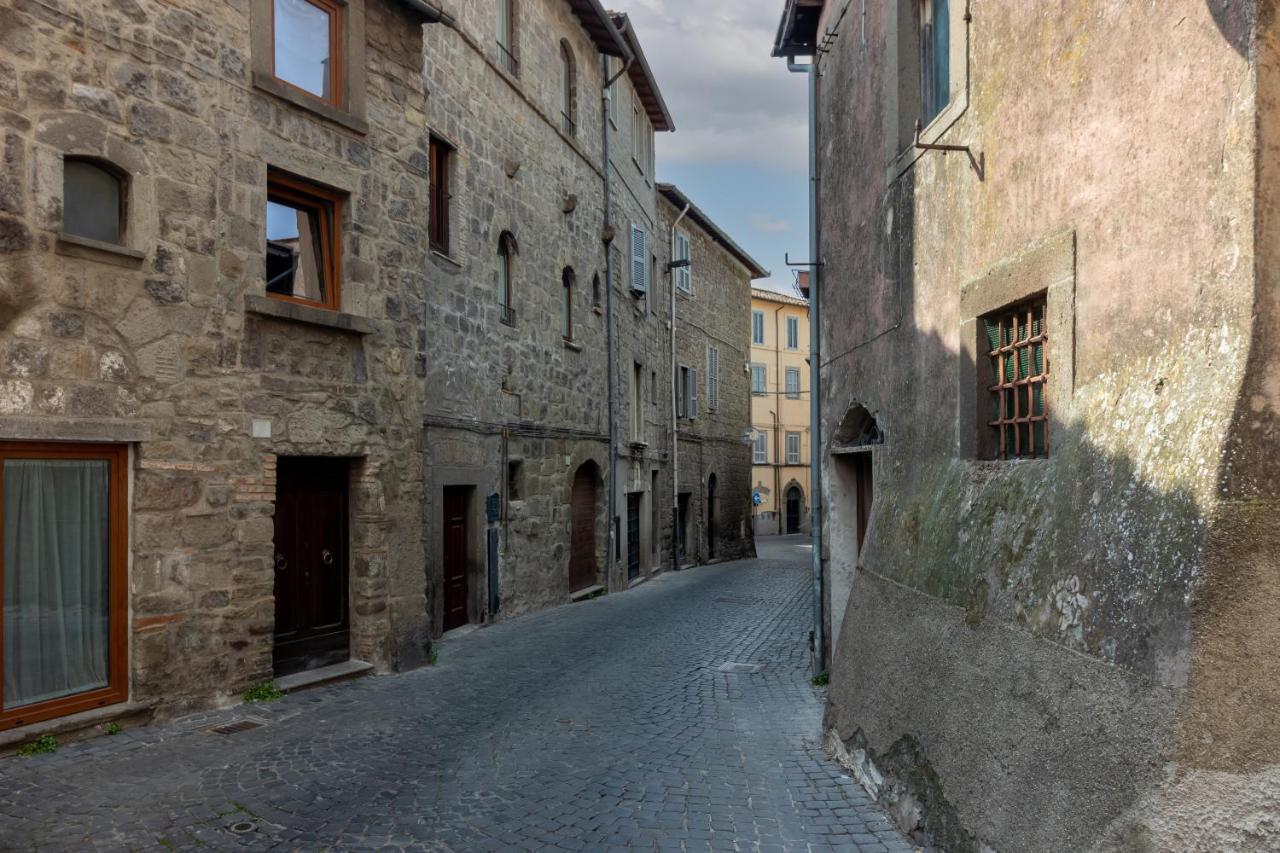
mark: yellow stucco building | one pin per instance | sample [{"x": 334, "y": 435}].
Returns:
[{"x": 779, "y": 412}]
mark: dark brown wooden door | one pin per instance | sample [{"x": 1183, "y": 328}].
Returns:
[
  {"x": 312, "y": 617},
  {"x": 865, "y": 493},
  {"x": 713, "y": 523},
  {"x": 583, "y": 571},
  {"x": 795, "y": 506},
  {"x": 633, "y": 536},
  {"x": 455, "y": 558}
]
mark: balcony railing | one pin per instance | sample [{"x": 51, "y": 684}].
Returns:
[{"x": 507, "y": 314}]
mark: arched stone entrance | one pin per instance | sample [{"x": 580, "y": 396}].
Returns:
[{"x": 794, "y": 509}]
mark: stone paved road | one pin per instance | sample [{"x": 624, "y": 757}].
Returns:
[{"x": 602, "y": 725}]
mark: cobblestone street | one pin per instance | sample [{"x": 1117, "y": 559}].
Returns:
[{"x": 604, "y": 725}]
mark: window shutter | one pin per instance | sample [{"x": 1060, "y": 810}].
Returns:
[
  {"x": 639, "y": 262},
  {"x": 684, "y": 275},
  {"x": 713, "y": 379},
  {"x": 693, "y": 393}
]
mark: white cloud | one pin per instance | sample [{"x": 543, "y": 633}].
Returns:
[
  {"x": 770, "y": 224},
  {"x": 730, "y": 99}
]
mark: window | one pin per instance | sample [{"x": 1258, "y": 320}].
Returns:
[
  {"x": 760, "y": 448},
  {"x": 568, "y": 90},
  {"x": 793, "y": 448},
  {"x": 64, "y": 592},
  {"x": 759, "y": 380},
  {"x": 639, "y": 260},
  {"x": 757, "y": 328},
  {"x": 713, "y": 379},
  {"x": 438, "y": 224},
  {"x": 653, "y": 387},
  {"x": 307, "y": 46},
  {"x": 93, "y": 198},
  {"x": 506, "y": 251},
  {"x": 507, "y": 37},
  {"x": 687, "y": 392},
  {"x": 637, "y": 402},
  {"x": 935, "y": 58},
  {"x": 684, "y": 274},
  {"x": 793, "y": 333},
  {"x": 514, "y": 479},
  {"x": 302, "y": 241},
  {"x": 1016, "y": 339},
  {"x": 566, "y": 306},
  {"x": 793, "y": 383}
]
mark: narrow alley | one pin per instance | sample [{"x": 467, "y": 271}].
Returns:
[{"x": 611, "y": 724}]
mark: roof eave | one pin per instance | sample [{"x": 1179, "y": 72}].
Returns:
[
  {"x": 792, "y": 41},
  {"x": 678, "y": 199},
  {"x": 599, "y": 25},
  {"x": 642, "y": 78}
]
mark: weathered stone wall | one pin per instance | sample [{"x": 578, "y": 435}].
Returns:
[
  {"x": 1017, "y": 642},
  {"x": 500, "y": 395},
  {"x": 163, "y": 344},
  {"x": 715, "y": 313}
]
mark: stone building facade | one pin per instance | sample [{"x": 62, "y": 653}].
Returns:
[
  {"x": 780, "y": 412},
  {"x": 1049, "y": 416},
  {"x": 711, "y": 511},
  {"x": 211, "y": 325}
]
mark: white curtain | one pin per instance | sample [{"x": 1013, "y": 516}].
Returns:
[{"x": 56, "y": 567}]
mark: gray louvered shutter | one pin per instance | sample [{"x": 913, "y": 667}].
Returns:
[{"x": 639, "y": 262}]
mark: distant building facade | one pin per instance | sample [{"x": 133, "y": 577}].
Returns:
[
  {"x": 780, "y": 414},
  {"x": 712, "y": 278},
  {"x": 1050, "y": 416}
]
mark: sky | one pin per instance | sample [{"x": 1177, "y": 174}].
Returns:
[{"x": 740, "y": 150}]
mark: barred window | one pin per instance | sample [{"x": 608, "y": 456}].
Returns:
[{"x": 1017, "y": 339}]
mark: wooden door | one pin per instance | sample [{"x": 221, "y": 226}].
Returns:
[
  {"x": 312, "y": 617},
  {"x": 713, "y": 523},
  {"x": 455, "y": 558},
  {"x": 865, "y": 493},
  {"x": 583, "y": 571},
  {"x": 795, "y": 505},
  {"x": 633, "y": 536}
]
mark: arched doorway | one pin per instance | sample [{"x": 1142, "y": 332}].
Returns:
[
  {"x": 583, "y": 571},
  {"x": 712, "y": 522},
  {"x": 795, "y": 509}
]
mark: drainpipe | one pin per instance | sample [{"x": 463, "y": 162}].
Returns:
[
  {"x": 675, "y": 437},
  {"x": 778, "y": 505},
  {"x": 777, "y": 402},
  {"x": 815, "y": 376},
  {"x": 608, "y": 308}
]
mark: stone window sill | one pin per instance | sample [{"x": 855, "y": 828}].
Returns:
[
  {"x": 447, "y": 258},
  {"x": 570, "y": 345},
  {"x": 298, "y": 98},
  {"x": 278, "y": 309},
  {"x": 84, "y": 247},
  {"x": 81, "y": 722}
]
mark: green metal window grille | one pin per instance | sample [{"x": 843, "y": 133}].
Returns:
[{"x": 1016, "y": 342}]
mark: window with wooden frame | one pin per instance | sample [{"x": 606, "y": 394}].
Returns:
[
  {"x": 568, "y": 90},
  {"x": 507, "y": 37},
  {"x": 566, "y": 304},
  {"x": 63, "y": 579},
  {"x": 94, "y": 198},
  {"x": 303, "y": 241},
  {"x": 307, "y": 46},
  {"x": 506, "y": 264},
  {"x": 935, "y": 58},
  {"x": 1017, "y": 341},
  {"x": 441, "y": 156}
]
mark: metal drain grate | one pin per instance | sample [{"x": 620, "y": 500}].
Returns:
[
  {"x": 733, "y": 666},
  {"x": 236, "y": 726},
  {"x": 740, "y": 599}
]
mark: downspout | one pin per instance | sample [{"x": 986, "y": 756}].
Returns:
[
  {"x": 675, "y": 435},
  {"x": 608, "y": 309},
  {"x": 815, "y": 371},
  {"x": 777, "y": 404}
]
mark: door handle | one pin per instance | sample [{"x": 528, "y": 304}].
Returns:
[
  {"x": 281, "y": 563},
  {"x": 326, "y": 556}
]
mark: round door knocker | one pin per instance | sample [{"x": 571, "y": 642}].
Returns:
[
  {"x": 326, "y": 557},
  {"x": 281, "y": 563}
]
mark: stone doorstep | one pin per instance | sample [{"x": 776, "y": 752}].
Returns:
[
  {"x": 586, "y": 593},
  {"x": 460, "y": 631},
  {"x": 324, "y": 675},
  {"x": 636, "y": 582},
  {"x": 81, "y": 726}
]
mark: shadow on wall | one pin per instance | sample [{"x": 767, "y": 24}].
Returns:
[{"x": 1029, "y": 647}]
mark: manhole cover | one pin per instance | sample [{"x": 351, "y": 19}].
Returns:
[
  {"x": 236, "y": 726},
  {"x": 243, "y": 827},
  {"x": 738, "y": 599},
  {"x": 732, "y": 666}
]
